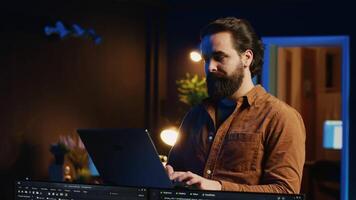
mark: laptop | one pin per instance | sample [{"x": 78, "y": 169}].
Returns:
[
  {"x": 125, "y": 157},
  {"x": 30, "y": 189}
]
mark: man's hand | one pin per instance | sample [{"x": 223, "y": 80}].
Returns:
[
  {"x": 169, "y": 170},
  {"x": 193, "y": 179}
]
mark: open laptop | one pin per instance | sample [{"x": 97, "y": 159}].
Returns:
[{"x": 125, "y": 157}]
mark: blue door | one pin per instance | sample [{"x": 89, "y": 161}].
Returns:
[{"x": 268, "y": 80}]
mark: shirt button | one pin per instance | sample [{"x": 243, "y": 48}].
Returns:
[
  {"x": 210, "y": 138},
  {"x": 208, "y": 171}
]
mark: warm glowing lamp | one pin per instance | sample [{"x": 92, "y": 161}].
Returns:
[
  {"x": 169, "y": 136},
  {"x": 195, "y": 56}
]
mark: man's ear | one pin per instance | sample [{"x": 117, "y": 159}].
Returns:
[{"x": 247, "y": 58}]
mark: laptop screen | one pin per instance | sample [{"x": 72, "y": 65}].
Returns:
[
  {"x": 38, "y": 190},
  {"x": 158, "y": 194},
  {"x": 71, "y": 191}
]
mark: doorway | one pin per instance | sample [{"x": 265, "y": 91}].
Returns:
[{"x": 312, "y": 75}]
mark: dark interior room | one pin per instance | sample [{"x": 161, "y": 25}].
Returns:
[{"x": 123, "y": 72}]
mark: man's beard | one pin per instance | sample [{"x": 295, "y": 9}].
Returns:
[{"x": 222, "y": 87}]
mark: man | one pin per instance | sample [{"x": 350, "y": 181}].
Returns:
[{"x": 241, "y": 138}]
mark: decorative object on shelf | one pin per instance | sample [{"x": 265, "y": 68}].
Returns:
[
  {"x": 67, "y": 174},
  {"x": 59, "y": 150},
  {"x": 76, "y": 158},
  {"x": 74, "y": 31},
  {"x": 191, "y": 89}
]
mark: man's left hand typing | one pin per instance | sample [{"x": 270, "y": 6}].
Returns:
[{"x": 193, "y": 179}]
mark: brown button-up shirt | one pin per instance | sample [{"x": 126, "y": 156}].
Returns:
[{"x": 260, "y": 147}]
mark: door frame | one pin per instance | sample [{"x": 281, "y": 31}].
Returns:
[{"x": 344, "y": 42}]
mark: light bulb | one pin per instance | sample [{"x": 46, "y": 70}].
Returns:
[
  {"x": 169, "y": 136},
  {"x": 195, "y": 56}
]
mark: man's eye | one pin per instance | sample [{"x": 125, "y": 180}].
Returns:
[{"x": 219, "y": 58}]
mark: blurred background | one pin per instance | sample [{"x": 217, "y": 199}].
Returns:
[{"x": 119, "y": 64}]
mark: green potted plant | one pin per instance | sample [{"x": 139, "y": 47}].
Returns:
[{"x": 191, "y": 89}]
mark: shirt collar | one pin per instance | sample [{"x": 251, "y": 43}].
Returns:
[{"x": 252, "y": 96}]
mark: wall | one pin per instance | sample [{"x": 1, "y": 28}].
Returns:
[{"x": 51, "y": 87}]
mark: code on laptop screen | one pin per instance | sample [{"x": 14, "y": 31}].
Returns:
[
  {"x": 155, "y": 194},
  {"x": 37, "y": 190},
  {"x": 69, "y": 191}
]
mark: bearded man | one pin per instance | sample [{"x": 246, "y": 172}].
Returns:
[{"x": 241, "y": 138}]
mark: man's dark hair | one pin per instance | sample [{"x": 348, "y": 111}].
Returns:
[{"x": 244, "y": 38}]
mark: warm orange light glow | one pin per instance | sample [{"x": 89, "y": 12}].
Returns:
[
  {"x": 195, "y": 56},
  {"x": 169, "y": 136}
]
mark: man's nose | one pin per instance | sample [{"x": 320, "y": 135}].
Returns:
[{"x": 211, "y": 66}]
